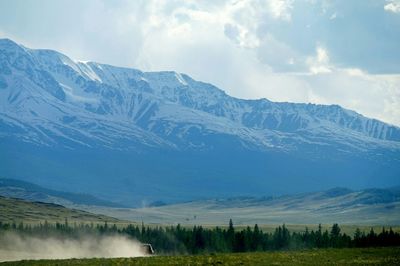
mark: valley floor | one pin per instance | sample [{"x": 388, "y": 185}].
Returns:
[
  {"x": 214, "y": 213},
  {"x": 354, "y": 256}
]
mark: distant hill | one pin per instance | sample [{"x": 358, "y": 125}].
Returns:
[
  {"x": 31, "y": 192},
  {"x": 338, "y": 205},
  {"x": 18, "y": 210}
]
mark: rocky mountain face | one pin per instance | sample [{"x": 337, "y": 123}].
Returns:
[{"x": 129, "y": 135}]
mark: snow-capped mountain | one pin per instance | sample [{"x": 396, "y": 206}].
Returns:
[{"x": 51, "y": 105}]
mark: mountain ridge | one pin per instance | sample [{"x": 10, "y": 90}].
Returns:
[
  {"x": 51, "y": 106},
  {"x": 55, "y": 62}
]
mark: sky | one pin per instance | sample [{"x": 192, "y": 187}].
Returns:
[{"x": 327, "y": 52}]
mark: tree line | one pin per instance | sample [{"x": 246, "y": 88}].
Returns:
[{"x": 198, "y": 239}]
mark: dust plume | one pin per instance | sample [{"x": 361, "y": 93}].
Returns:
[{"x": 17, "y": 247}]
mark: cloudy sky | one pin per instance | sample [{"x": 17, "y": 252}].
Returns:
[{"x": 330, "y": 52}]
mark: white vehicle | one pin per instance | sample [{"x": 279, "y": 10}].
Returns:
[{"x": 147, "y": 249}]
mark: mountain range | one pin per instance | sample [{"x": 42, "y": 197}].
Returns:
[{"x": 132, "y": 137}]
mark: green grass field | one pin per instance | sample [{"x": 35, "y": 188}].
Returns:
[{"x": 367, "y": 256}]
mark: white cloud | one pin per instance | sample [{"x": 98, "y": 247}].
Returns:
[
  {"x": 319, "y": 63},
  {"x": 392, "y": 6},
  {"x": 281, "y": 9}
]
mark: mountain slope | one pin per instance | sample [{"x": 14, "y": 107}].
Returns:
[
  {"x": 18, "y": 210},
  {"x": 102, "y": 129},
  {"x": 24, "y": 190}
]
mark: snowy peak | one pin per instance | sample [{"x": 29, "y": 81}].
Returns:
[{"x": 45, "y": 85}]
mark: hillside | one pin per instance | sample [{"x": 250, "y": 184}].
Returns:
[
  {"x": 24, "y": 190},
  {"x": 17, "y": 210},
  {"x": 100, "y": 129},
  {"x": 339, "y": 205}
]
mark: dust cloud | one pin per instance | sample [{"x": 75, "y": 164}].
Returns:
[{"x": 16, "y": 247}]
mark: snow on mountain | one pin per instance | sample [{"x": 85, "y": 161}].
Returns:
[
  {"x": 48, "y": 99},
  {"x": 48, "y": 87}
]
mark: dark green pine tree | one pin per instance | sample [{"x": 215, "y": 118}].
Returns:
[
  {"x": 230, "y": 236},
  {"x": 335, "y": 235}
]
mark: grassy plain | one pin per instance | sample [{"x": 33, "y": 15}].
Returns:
[
  {"x": 355, "y": 256},
  {"x": 359, "y": 208}
]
